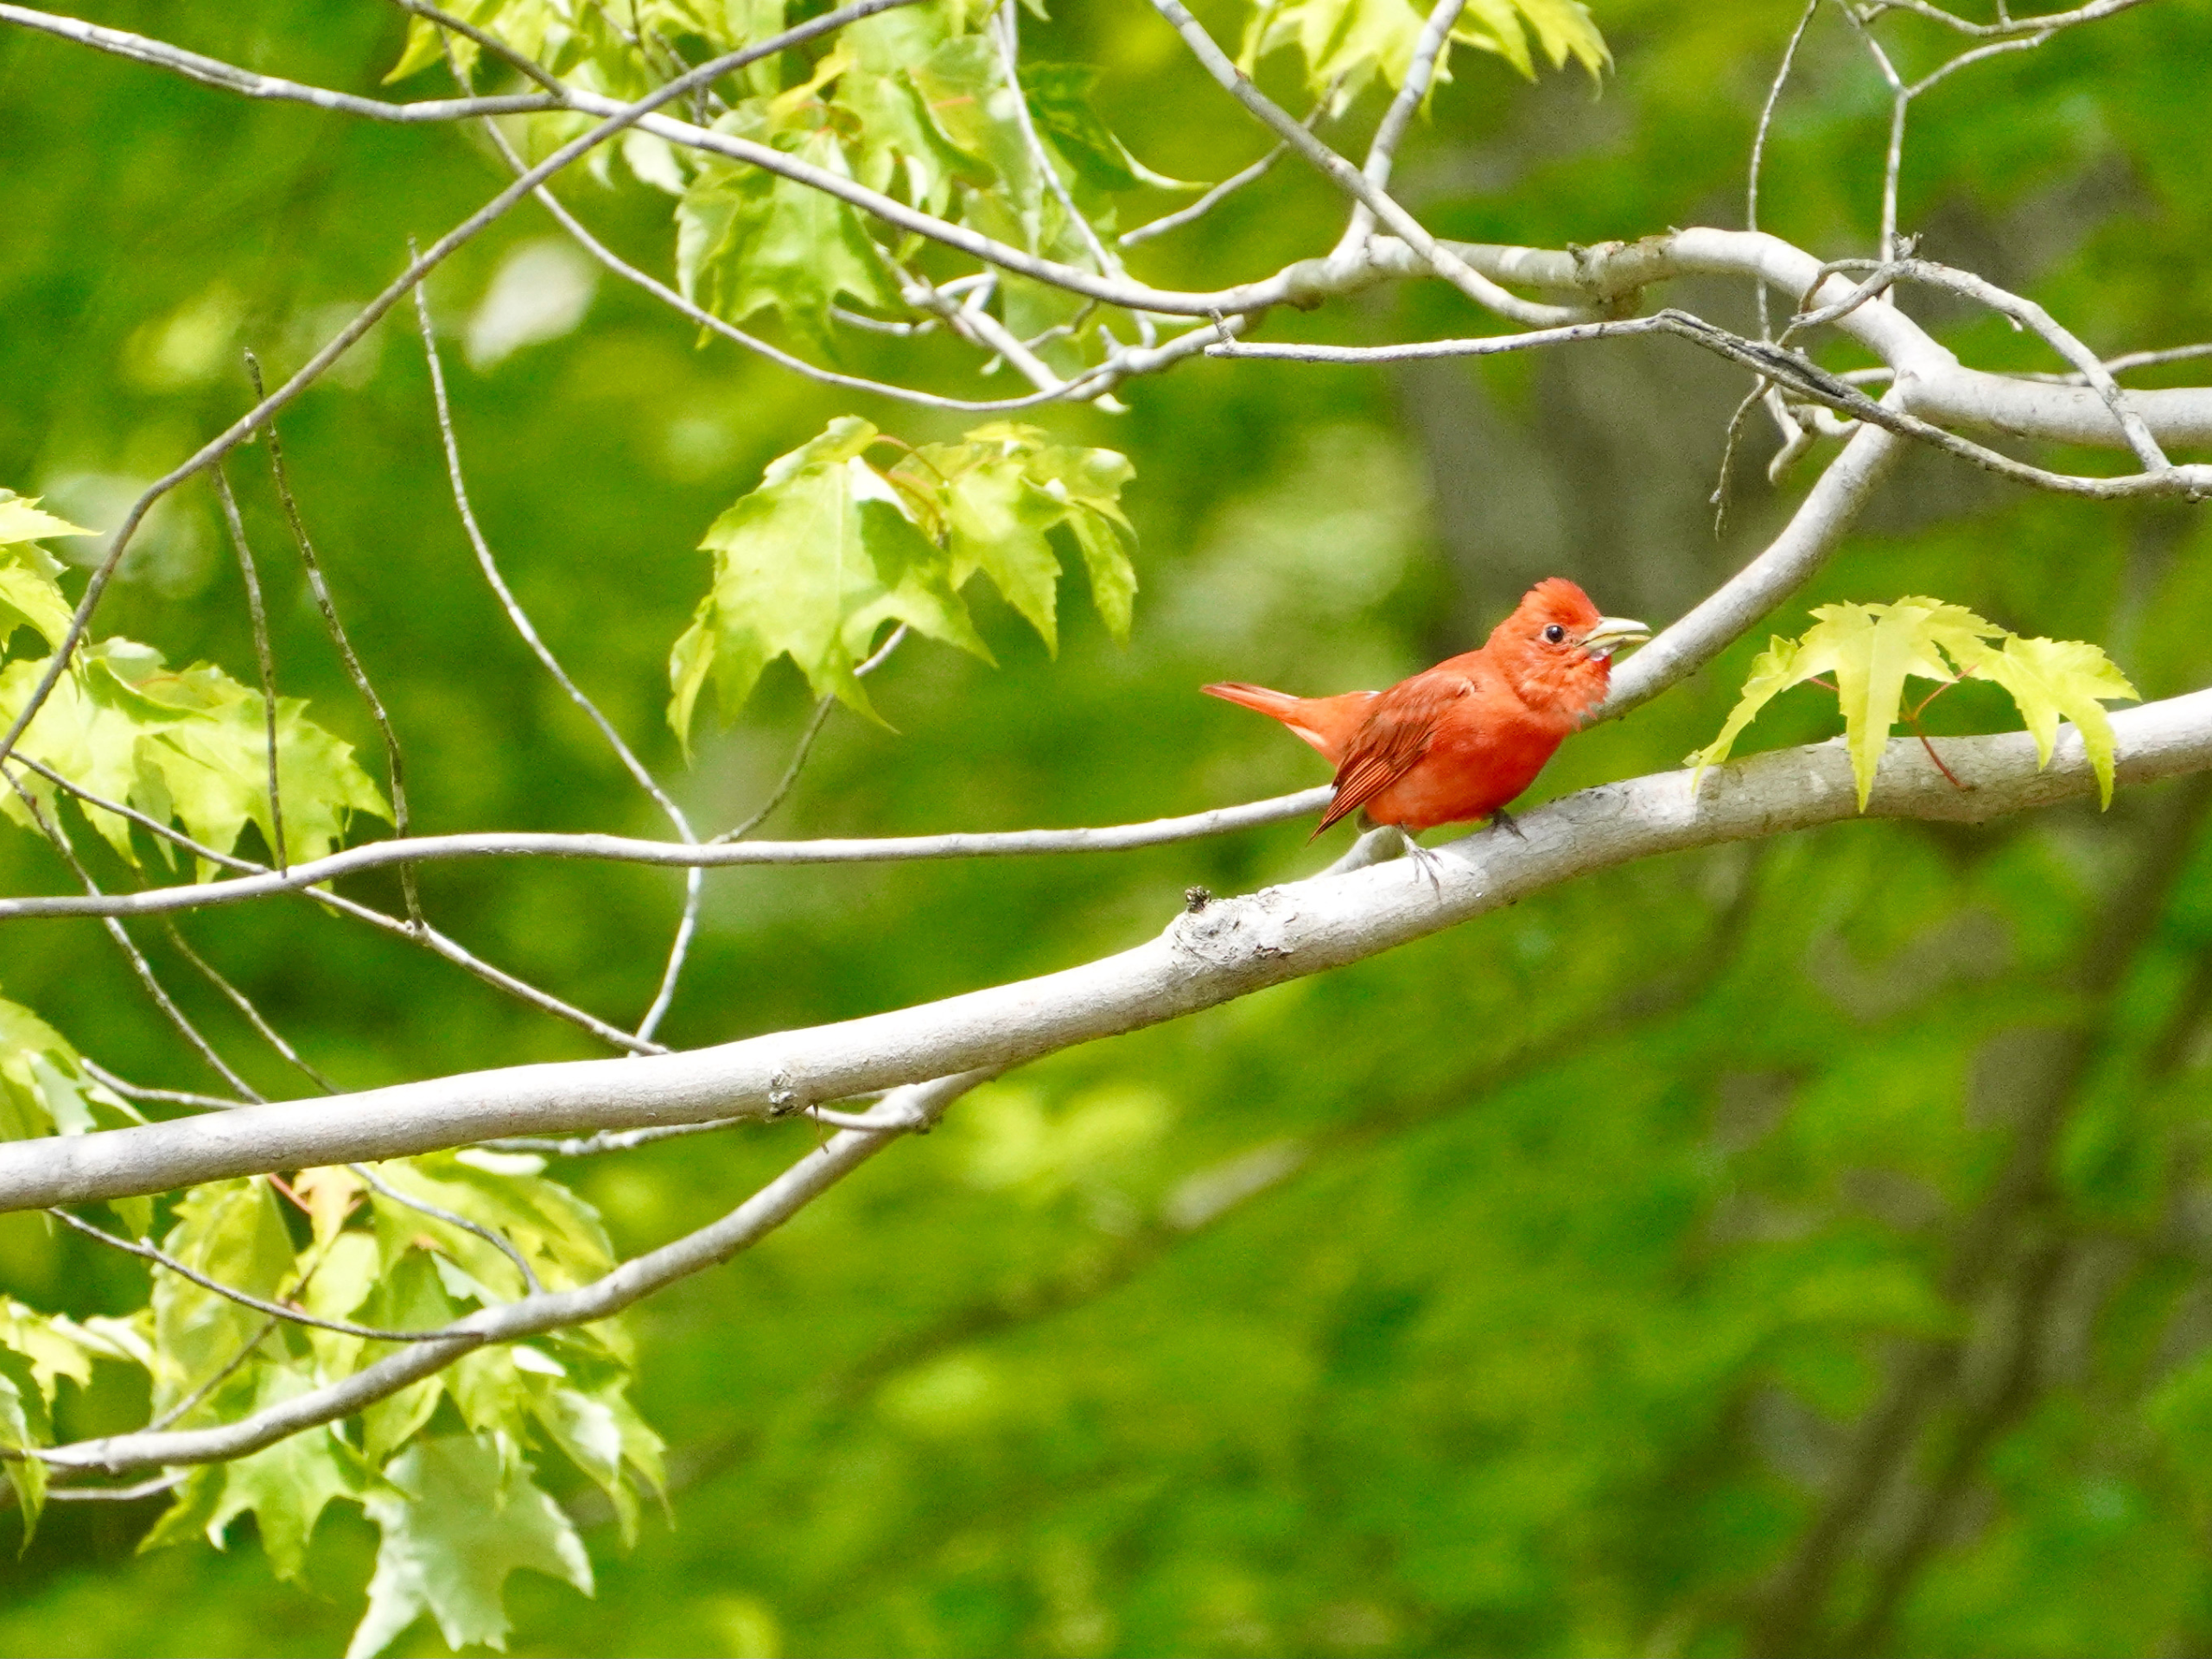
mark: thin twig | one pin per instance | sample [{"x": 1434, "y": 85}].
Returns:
[
  {"x": 805, "y": 744},
  {"x": 221, "y": 1374},
  {"x": 131, "y": 1494},
  {"x": 2005, "y": 25},
  {"x": 395, "y": 766},
  {"x": 458, "y": 953},
  {"x": 254, "y": 1017},
  {"x": 417, "y": 933},
  {"x": 429, "y": 1353},
  {"x": 244, "y": 1299},
  {"x": 520, "y": 62},
  {"x": 169, "y": 1096},
  {"x": 1229, "y": 186},
  {"x": 1758, "y": 142},
  {"x": 1348, "y": 179},
  {"x": 496, "y": 1240},
  {"x": 592, "y": 1146},
  {"x": 1430, "y": 50},
  {"x": 310, "y": 875},
  {"x": 523, "y": 626},
  {"x": 152, "y": 825},
  {"x": 264, "y": 655},
  {"x": 1007, "y": 26}
]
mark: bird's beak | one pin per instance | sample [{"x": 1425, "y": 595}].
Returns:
[{"x": 1613, "y": 633}]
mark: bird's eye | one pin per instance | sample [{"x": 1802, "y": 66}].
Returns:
[{"x": 1554, "y": 634}]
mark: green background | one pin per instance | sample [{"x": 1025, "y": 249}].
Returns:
[{"x": 1620, "y": 1223}]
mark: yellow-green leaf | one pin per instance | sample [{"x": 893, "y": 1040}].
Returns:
[
  {"x": 1353, "y": 41},
  {"x": 1873, "y": 650},
  {"x": 29, "y": 595},
  {"x": 2053, "y": 677}
]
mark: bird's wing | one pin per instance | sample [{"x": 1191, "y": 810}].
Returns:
[{"x": 1392, "y": 740}]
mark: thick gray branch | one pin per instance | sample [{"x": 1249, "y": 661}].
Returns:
[{"x": 1229, "y": 950}]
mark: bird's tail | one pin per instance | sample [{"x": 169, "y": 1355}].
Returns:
[{"x": 1308, "y": 717}]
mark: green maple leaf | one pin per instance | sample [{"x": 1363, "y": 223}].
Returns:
[
  {"x": 464, "y": 1515},
  {"x": 811, "y": 565},
  {"x": 602, "y": 1434},
  {"x": 2048, "y": 678},
  {"x": 1871, "y": 651},
  {"x": 555, "y": 1229},
  {"x": 1059, "y": 102},
  {"x": 994, "y": 497},
  {"x": 749, "y": 241},
  {"x": 897, "y": 139}
]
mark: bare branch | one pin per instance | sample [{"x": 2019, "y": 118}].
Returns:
[
  {"x": 592, "y": 1146},
  {"x": 2061, "y": 341},
  {"x": 146, "y": 821},
  {"x": 311, "y": 873},
  {"x": 168, "y": 1097},
  {"x": 211, "y": 71},
  {"x": 498, "y": 1240},
  {"x": 1785, "y": 565},
  {"x": 59, "y": 839},
  {"x": 131, "y": 1494},
  {"x": 1793, "y": 372},
  {"x": 458, "y": 953},
  {"x": 1008, "y": 29},
  {"x": 238, "y": 999},
  {"x": 876, "y": 659},
  {"x": 519, "y": 618},
  {"x": 521, "y": 63},
  {"x": 2005, "y": 25}
]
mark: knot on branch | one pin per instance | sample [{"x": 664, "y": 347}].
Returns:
[{"x": 1227, "y": 932}]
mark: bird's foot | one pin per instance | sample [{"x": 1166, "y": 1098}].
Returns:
[
  {"x": 1503, "y": 820},
  {"x": 1425, "y": 862}
]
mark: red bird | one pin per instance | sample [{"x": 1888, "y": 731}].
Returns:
[{"x": 1458, "y": 742}]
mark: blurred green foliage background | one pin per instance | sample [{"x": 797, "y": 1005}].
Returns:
[{"x": 1798, "y": 1247}]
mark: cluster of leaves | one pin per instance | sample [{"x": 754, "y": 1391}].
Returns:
[
  {"x": 185, "y": 745},
  {"x": 918, "y": 103},
  {"x": 814, "y": 563},
  {"x": 1872, "y": 650},
  {"x": 442, "y": 1467},
  {"x": 1346, "y": 43}
]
